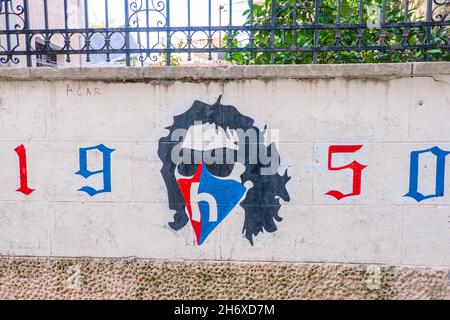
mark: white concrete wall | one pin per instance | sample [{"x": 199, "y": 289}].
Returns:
[{"x": 385, "y": 108}]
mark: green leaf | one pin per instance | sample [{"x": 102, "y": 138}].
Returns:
[{"x": 434, "y": 51}]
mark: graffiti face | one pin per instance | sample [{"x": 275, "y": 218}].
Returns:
[
  {"x": 210, "y": 191},
  {"x": 214, "y": 159}
]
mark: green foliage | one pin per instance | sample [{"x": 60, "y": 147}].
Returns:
[
  {"x": 175, "y": 58},
  {"x": 353, "y": 38}
]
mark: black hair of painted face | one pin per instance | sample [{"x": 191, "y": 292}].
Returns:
[{"x": 261, "y": 204}]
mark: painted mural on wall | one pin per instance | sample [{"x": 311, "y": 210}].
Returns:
[{"x": 214, "y": 159}]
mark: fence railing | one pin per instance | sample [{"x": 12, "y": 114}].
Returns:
[{"x": 141, "y": 32}]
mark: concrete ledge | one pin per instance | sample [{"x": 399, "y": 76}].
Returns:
[
  {"x": 118, "y": 74},
  {"x": 64, "y": 278},
  {"x": 431, "y": 68}
]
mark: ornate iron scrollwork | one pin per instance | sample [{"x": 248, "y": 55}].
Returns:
[
  {"x": 441, "y": 10},
  {"x": 12, "y": 18}
]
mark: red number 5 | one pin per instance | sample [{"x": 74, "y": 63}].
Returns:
[{"x": 355, "y": 166}]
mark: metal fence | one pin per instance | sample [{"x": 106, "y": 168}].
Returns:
[{"x": 141, "y": 32}]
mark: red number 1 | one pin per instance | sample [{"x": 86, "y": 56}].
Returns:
[
  {"x": 355, "y": 166},
  {"x": 22, "y": 153}
]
